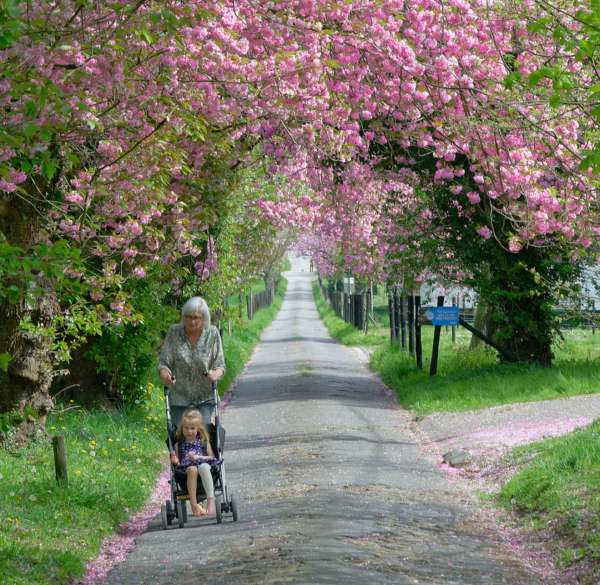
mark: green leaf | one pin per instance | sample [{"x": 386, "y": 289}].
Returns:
[
  {"x": 535, "y": 77},
  {"x": 595, "y": 90},
  {"x": 13, "y": 8},
  {"x": 512, "y": 79},
  {"x": 13, "y": 293},
  {"x": 49, "y": 169},
  {"x": 30, "y": 130},
  {"x": 145, "y": 34},
  {"x": 4, "y": 360},
  {"x": 555, "y": 100}
]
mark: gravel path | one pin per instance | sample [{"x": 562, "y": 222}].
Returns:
[
  {"x": 488, "y": 434},
  {"x": 331, "y": 482}
]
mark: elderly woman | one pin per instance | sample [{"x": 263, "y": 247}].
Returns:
[{"x": 191, "y": 358}]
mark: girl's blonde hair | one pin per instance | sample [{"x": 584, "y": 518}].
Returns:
[{"x": 193, "y": 415}]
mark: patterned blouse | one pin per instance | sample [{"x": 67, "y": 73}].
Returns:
[
  {"x": 188, "y": 363},
  {"x": 185, "y": 449}
]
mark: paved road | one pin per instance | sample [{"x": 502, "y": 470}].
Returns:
[{"x": 331, "y": 484}]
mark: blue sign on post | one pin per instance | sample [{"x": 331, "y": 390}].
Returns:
[{"x": 443, "y": 315}]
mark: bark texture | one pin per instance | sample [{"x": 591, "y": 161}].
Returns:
[{"x": 25, "y": 386}]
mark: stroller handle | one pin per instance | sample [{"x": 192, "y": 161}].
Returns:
[{"x": 215, "y": 400}]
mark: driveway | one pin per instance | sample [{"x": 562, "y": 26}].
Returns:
[{"x": 331, "y": 484}]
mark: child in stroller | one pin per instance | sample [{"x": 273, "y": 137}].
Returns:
[
  {"x": 201, "y": 449},
  {"x": 193, "y": 456}
]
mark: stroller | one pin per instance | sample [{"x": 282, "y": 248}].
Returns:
[{"x": 225, "y": 502}]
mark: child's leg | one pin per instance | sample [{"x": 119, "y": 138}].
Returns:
[
  {"x": 192, "y": 484},
  {"x": 209, "y": 488}
]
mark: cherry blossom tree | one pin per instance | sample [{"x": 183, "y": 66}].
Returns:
[{"x": 404, "y": 131}]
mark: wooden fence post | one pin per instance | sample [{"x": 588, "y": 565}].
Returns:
[
  {"x": 397, "y": 297},
  {"x": 454, "y": 304},
  {"x": 403, "y": 321},
  {"x": 436, "y": 342},
  {"x": 391, "y": 313},
  {"x": 418, "y": 345},
  {"x": 60, "y": 459},
  {"x": 411, "y": 324}
]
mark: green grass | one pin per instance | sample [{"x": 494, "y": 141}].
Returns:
[
  {"x": 559, "y": 491},
  {"x": 47, "y": 532},
  {"x": 257, "y": 286},
  {"x": 345, "y": 332},
  {"x": 471, "y": 379},
  {"x": 239, "y": 346}
]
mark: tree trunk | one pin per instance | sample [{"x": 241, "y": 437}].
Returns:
[
  {"x": 483, "y": 322},
  {"x": 25, "y": 386}
]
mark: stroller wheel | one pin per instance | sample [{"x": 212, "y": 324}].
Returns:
[
  {"x": 164, "y": 517},
  {"x": 169, "y": 510},
  {"x": 219, "y": 509},
  {"x": 184, "y": 511},
  {"x": 180, "y": 519},
  {"x": 234, "y": 508}
]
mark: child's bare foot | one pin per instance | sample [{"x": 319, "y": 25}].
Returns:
[
  {"x": 210, "y": 507},
  {"x": 198, "y": 510}
]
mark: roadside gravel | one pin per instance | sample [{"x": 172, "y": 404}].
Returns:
[
  {"x": 488, "y": 434},
  {"x": 332, "y": 485},
  {"x": 470, "y": 448}
]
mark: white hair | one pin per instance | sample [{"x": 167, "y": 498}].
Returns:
[{"x": 194, "y": 306}]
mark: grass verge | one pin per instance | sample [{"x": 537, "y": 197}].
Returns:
[
  {"x": 48, "y": 532},
  {"x": 239, "y": 346},
  {"x": 557, "y": 490},
  {"x": 345, "y": 332},
  {"x": 471, "y": 379},
  {"x": 557, "y": 493}
]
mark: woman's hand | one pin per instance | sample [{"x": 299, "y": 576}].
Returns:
[
  {"x": 174, "y": 458},
  {"x": 214, "y": 375},
  {"x": 166, "y": 376}
]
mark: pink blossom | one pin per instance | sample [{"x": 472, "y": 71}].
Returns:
[
  {"x": 73, "y": 197},
  {"x": 130, "y": 253},
  {"x": 485, "y": 232},
  {"x": 17, "y": 177},
  {"x": 515, "y": 245},
  {"x": 6, "y": 186},
  {"x": 134, "y": 228},
  {"x": 474, "y": 197}
]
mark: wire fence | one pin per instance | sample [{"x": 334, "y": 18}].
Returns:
[{"x": 353, "y": 308}]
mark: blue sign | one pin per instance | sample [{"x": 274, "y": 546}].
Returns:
[{"x": 443, "y": 315}]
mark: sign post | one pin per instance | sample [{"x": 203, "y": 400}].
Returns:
[{"x": 440, "y": 316}]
